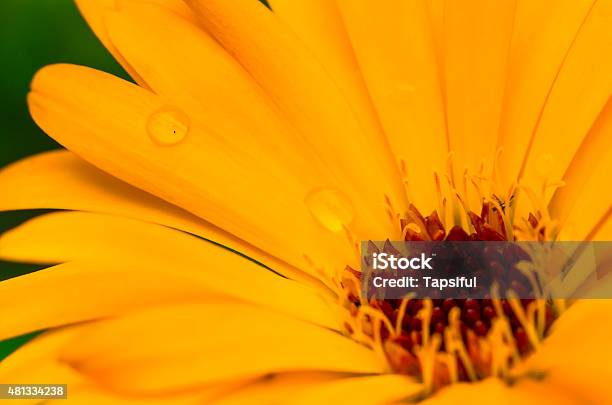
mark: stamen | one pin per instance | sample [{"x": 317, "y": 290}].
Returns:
[
  {"x": 370, "y": 311},
  {"x": 454, "y": 342},
  {"x": 501, "y": 350},
  {"x": 449, "y": 167},
  {"x": 349, "y": 277},
  {"x": 447, "y": 341},
  {"x": 451, "y": 365},
  {"x": 465, "y": 184},
  {"x": 465, "y": 214},
  {"x": 560, "y": 305},
  {"x": 541, "y": 317},
  {"x": 441, "y": 200},
  {"x": 504, "y": 215},
  {"x": 426, "y": 354},
  {"x": 401, "y": 313},
  {"x": 520, "y": 314}
]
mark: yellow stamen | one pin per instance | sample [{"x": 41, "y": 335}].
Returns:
[
  {"x": 529, "y": 328},
  {"x": 454, "y": 343},
  {"x": 401, "y": 313}
]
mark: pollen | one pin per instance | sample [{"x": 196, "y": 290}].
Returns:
[{"x": 443, "y": 341}]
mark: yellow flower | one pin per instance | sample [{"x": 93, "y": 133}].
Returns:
[{"x": 211, "y": 214}]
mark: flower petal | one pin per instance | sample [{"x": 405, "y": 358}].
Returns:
[
  {"x": 394, "y": 45},
  {"x": 493, "y": 389},
  {"x": 476, "y": 41},
  {"x": 435, "y": 9},
  {"x": 214, "y": 87},
  {"x": 38, "y": 361},
  {"x": 366, "y": 390},
  {"x": 183, "y": 346},
  {"x": 134, "y": 264},
  {"x": 361, "y": 391},
  {"x": 93, "y": 11},
  {"x": 114, "y": 125},
  {"x": 319, "y": 25},
  {"x": 576, "y": 355},
  {"x": 579, "y": 205},
  {"x": 297, "y": 83},
  {"x": 543, "y": 33},
  {"x": 61, "y": 180},
  {"x": 579, "y": 93}
]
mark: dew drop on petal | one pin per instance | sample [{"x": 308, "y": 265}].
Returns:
[
  {"x": 331, "y": 208},
  {"x": 168, "y": 126}
]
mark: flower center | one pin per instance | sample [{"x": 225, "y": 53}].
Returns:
[{"x": 442, "y": 341}]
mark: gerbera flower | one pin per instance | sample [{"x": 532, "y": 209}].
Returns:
[{"x": 207, "y": 246}]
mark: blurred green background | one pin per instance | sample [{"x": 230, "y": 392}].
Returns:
[{"x": 35, "y": 33}]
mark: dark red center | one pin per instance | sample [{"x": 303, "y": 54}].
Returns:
[{"x": 477, "y": 315}]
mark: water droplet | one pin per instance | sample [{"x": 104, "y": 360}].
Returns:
[
  {"x": 331, "y": 208},
  {"x": 168, "y": 126}
]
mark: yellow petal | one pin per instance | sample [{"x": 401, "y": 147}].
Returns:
[
  {"x": 133, "y": 264},
  {"x": 477, "y": 37},
  {"x": 90, "y": 394},
  {"x": 580, "y": 328},
  {"x": 82, "y": 291},
  {"x": 579, "y": 93},
  {"x": 575, "y": 358},
  {"x": 61, "y": 180},
  {"x": 38, "y": 361},
  {"x": 176, "y": 6},
  {"x": 277, "y": 388},
  {"x": 216, "y": 89},
  {"x": 495, "y": 391},
  {"x": 125, "y": 130},
  {"x": 382, "y": 389},
  {"x": 605, "y": 230},
  {"x": 395, "y": 48},
  {"x": 212, "y": 85},
  {"x": 309, "y": 98},
  {"x": 93, "y": 11},
  {"x": 289, "y": 390},
  {"x": 319, "y": 25},
  {"x": 194, "y": 344},
  {"x": 543, "y": 33},
  {"x": 582, "y": 203},
  {"x": 435, "y": 10}
]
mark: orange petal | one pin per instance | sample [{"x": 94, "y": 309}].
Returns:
[
  {"x": 116, "y": 263},
  {"x": 61, "y": 180},
  {"x": 189, "y": 345},
  {"x": 125, "y": 130},
  {"x": 298, "y": 83},
  {"x": 396, "y": 52}
]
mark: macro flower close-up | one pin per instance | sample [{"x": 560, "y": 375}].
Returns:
[{"x": 199, "y": 234}]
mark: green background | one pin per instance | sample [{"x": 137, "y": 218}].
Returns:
[{"x": 35, "y": 33}]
